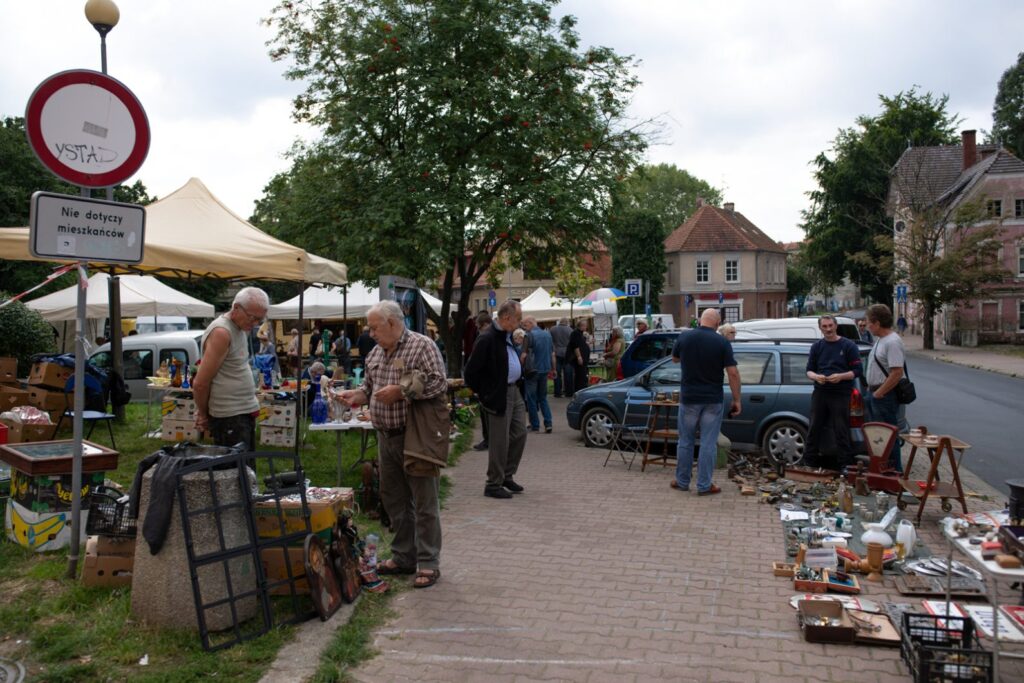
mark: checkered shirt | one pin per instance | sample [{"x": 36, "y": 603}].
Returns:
[{"x": 417, "y": 352}]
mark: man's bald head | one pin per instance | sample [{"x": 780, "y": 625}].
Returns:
[{"x": 710, "y": 318}]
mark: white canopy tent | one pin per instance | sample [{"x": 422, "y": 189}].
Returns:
[
  {"x": 328, "y": 302},
  {"x": 546, "y": 307},
  {"x": 141, "y": 295}
]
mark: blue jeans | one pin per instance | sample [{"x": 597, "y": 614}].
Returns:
[
  {"x": 537, "y": 395},
  {"x": 709, "y": 417},
  {"x": 563, "y": 377},
  {"x": 886, "y": 409}
]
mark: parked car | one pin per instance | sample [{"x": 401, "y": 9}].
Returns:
[
  {"x": 776, "y": 401},
  {"x": 659, "y": 321},
  {"x": 804, "y": 327},
  {"x": 142, "y": 355},
  {"x": 651, "y": 346}
]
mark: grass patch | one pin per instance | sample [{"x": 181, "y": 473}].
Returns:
[
  {"x": 1005, "y": 350},
  {"x": 69, "y": 632}
]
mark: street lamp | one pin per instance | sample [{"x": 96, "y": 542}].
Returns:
[{"x": 103, "y": 15}]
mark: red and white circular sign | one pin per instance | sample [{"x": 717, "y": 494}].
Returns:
[{"x": 87, "y": 128}]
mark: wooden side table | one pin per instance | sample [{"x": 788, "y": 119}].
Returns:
[
  {"x": 665, "y": 432},
  {"x": 945, "y": 444}
]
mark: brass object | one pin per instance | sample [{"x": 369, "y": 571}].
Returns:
[{"x": 875, "y": 561}]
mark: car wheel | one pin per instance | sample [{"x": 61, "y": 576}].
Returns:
[
  {"x": 785, "y": 441},
  {"x": 597, "y": 427}
]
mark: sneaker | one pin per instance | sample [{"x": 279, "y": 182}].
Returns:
[
  {"x": 482, "y": 446},
  {"x": 533, "y": 429},
  {"x": 496, "y": 492},
  {"x": 512, "y": 486},
  {"x": 547, "y": 430}
]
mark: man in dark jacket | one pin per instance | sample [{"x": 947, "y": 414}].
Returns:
[
  {"x": 495, "y": 373},
  {"x": 832, "y": 364}
]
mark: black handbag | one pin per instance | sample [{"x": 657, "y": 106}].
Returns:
[{"x": 905, "y": 390}]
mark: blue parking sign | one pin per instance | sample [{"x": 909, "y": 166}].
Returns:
[{"x": 634, "y": 287}]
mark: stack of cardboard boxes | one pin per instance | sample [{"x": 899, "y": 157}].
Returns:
[
  {"x": 277, "y": 422},
  {"x": 45, "y": 391},
  {"x": 108, "y": 561},
  {"x": 179, "y": 417}
]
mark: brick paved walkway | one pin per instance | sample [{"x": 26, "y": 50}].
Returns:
[{"x": 602, "y": 574}]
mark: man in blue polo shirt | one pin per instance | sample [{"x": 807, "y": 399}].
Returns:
[
  {"x": 706, "y": 357},
  {"x": 832, "y": 364}
]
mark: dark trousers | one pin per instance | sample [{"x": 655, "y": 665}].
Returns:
[
  {"x": 506, "y": 440},
  {"x": 830, "y": 417},
  {"x": 230, "y": 431},
  {"x": 886, "y": 409},
  {"x": 412, "y": 504},
  {"x": 563, "y": 377},
  {"x": 579, "y": 376}
]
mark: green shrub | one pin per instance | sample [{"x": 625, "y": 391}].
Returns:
[{"x": 23, "y": 332}]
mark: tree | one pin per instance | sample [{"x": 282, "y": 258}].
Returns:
[
  {"x": 453, "y": 132},
  {"x": 572, "y": 282},
  {"x": 25, "y": 333},
  {"x": 667, "y": 192},
  {"x": 636, "y": 242},
  {"x": 1008, "y": 109},
  {"x": 847, "y": 209},
  {"x": 799, "y": 280}
]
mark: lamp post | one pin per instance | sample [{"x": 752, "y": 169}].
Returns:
[{"x": 103, "y": 15}]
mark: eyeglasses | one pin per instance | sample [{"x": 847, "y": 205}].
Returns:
[{"x": 252, "y": 318}]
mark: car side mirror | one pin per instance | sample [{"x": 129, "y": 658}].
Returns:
[{"x": 645, "y": 379}]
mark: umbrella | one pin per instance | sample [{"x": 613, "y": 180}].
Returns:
[{"x": 602, "y": 294}]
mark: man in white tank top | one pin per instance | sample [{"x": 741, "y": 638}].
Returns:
[{"x": 224, "y": 389}]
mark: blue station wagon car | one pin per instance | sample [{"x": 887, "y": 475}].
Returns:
[{"x": 776, "y": 401}]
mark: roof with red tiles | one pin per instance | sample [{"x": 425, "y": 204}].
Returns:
[{"x": 713, "y": 229}]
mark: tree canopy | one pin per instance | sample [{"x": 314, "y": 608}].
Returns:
[
  {"x": 453, "y": 131},
  {"x": 636, "y": 246},
  {"x": 1008, "y": 109},
  {"x": 667, "y": 192},
  {"x": 847, "y": 209}
]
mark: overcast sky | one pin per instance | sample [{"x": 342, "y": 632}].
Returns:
[{"x": 748, "y": 91}]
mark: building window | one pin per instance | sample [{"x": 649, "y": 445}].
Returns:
[
  {"x": 732, "y": 270},
  {"x": 703, "y": 271},
  {"x": 668, "y": 267},
  {"x": 1020, "y": 260},
  {"x": 1018, "y": 208},
  {"x": 1020, "y": 315},
  {"x": 994, "y": 208}
]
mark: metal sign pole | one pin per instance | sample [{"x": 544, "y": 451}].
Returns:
[{"x": 76, "y": 461}]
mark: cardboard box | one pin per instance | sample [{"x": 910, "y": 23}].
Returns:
[
  {"x": 11, "y": 397},
  {"x": 277, "y": 436},
  {"x": 49, "y": 399},
  {"x": 13, "y": 430},
  {"x": 178, "y": 409},
  {"x": 179, "y": 430},
  {"x": 105, "y": 545},
  {"x": 49, "y": 492},
  {"x": 323, "y": 514},
  {"x": 274, "y": 569},
  {"x": 8, "y": 370},
  {"x": 810, "y": 610},
  {"x": 277, "y": 414},
  {"x": 31, "y": 432},
  {"x": 49, "y": 375},
  {"x": 39, "y": 531},
  {"x": 107, "y": 570}
]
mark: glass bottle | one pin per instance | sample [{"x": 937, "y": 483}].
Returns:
[{"x": 318, "y": 411}]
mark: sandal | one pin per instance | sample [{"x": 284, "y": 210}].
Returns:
[
  {"x": 389, "y": 567},
  {"x": 425, "y": 578}
]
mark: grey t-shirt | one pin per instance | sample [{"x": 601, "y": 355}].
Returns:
[
  {"x": 560, "y": 338},
  {"x": 889, "y": 352}
]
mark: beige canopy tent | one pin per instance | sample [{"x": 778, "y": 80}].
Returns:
[{"x": 191, "y": 233}]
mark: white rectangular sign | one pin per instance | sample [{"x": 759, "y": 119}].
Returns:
[
  {"x": 634, "y": 286},
  {"x": 67, "y": 228}
]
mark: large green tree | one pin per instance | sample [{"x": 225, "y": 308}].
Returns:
[
  {"x": 847, "y": 209},
  {"x": 453, "y": 131},
  {"x": 1008, "y": 110},
  {"x": 666, "y": 191},
  {"x": 637, "y": 246}
]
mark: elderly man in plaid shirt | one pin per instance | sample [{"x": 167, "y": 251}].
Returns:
[{"x": 410, "y": 501}]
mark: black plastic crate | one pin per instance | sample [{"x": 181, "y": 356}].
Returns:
[
  {"x": 941, "y": 649},
  {"x": 109, "y": 517}
]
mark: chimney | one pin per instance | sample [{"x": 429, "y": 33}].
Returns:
[
  {"x": 700, "y": 202},
  {"x": 970, "y": 149},
  {"x": 729, "y": 206}
]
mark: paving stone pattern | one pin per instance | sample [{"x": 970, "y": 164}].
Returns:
[{"x": 603, "y": 574}]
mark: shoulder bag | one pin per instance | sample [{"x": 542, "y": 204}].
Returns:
[{"x": 905, "y": 390}]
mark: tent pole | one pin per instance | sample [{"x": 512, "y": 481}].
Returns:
[
  {"x": 298, "y": 376},
  {"x": 344, "y": 323},
  {"x": 116, "y": 357}
]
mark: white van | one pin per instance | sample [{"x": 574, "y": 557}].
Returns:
[
  {"x": 142, "y": 355},
  {"x": 805, "y": 327},
  {"x": 164, "y": 323},
  {"x": 659, "y": 321}
]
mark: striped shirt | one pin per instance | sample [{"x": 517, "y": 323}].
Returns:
[{"x": 413, "y": 351}]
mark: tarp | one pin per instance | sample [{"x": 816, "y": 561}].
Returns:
[
  {"x": 326, "y": 302},
  {"x": 546, "y": 307},
  {"x": 190, "y": 232},
  {"x": 140, "y": 295}
]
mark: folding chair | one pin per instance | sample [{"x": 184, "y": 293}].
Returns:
[
  {"x": 631, "y": 434},
  {"x": 92, "y": 386}
]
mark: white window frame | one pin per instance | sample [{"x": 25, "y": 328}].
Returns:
[
  {"x": 738, "y": 277},
  {"x": 707, "y": 272},
  {"x": 990, "y": 208}
]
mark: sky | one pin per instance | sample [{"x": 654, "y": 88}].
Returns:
[{"x": 747, "y": 92}]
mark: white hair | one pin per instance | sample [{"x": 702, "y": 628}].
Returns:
[
  {"x": 251, "y": 296},
  {"x": 388, "y": 310}
]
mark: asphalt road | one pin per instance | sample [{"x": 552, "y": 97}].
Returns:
[{"x": 983, "y": 408}]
